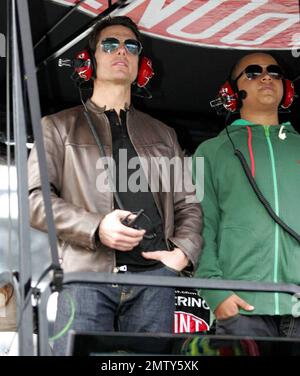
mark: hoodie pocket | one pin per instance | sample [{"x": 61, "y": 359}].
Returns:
[{"x": 240, "y": 254}]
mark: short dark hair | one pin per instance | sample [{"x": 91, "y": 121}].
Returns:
[{"x": 112, "y": 21}]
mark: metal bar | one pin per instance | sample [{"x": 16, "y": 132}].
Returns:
[
  {"x": 210, "y": 284},
  {"x": 81, "y": 34},
  {"x": 67, "y": 15},
  {"x": 26, "y": 325},
  {"x": 43, "y": 338},
  {"x": 35, "y": 112},
  {"x": 8, "y": 122}
]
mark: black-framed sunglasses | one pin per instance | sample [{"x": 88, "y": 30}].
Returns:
[
  {"x": 133, "y": 46},
  {"x": 255, "y": 71}
]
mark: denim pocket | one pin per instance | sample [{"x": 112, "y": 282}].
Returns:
[
  {"x": 174, "y": 271},
  {"x": 229, "y": 319}
]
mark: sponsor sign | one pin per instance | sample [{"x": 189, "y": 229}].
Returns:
[
  {"x": 242, "y": 24},
  {"x": 191, "y": 312}
]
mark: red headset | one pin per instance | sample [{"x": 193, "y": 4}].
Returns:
[
  {"x": 231, "y": 99},
  {"x": 85, "y": 67},
  {"x": 288, "y": 93}
]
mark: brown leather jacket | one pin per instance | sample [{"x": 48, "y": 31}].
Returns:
[{"x": 79, "y": 205}]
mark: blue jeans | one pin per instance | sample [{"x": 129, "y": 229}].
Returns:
[
  {"x": 260, "y": 325},
  {"x": 109, "y": 308},
  {"x": 264, "y": 326}
]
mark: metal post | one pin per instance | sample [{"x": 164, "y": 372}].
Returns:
[
  {"x": 43, "y": 338},
  {"x": 35, "y": 113},
  {"x": 81, "y": 34},
  {"x": 26, "y": 317},
  {"x": 8, "y": 131},
  {"x": 66, "y": 16}
]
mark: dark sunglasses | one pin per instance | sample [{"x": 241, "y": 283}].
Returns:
[
  {"x": 254, "y": 71},
  {"x": 110, "y": 45}
]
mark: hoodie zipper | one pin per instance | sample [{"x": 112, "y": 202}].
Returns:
[{"x": 276, "y": 239}]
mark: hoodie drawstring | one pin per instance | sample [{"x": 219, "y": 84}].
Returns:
[{"x": 251, "y": 151}]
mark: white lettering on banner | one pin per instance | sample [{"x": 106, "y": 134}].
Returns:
[
  {"x": 183, "y": 325},
  {"x": 188, "y": 323},
  {"x": 191, "y": 302},
  {"x": 154, "y": 13},
  {"x": 130, "y": 7},
  {"x": 215, "y": 23},
  {"x": 176, "y": 29},
  {"x": 64, "y": 2},
  {"x": 2, "y": 45},
  {"x": 235, "y": 16},
  {"x": 93, "y": 7},
  {"x": 188, "y": 301},
  {"x": 93, "y": 4},
  {"x": 231, "y": 38}
]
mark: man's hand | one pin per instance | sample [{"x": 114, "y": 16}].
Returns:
[
  {"x": 231, "y": 307},
  {"x": 115, "y": 235},
  {"x": 175, "y": 259}
]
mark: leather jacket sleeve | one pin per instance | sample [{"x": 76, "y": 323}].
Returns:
[
  {"x": 187, "y": 213},
  {"x": 73, "y": 224}
]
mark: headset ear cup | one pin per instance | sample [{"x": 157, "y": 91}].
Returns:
[
  {"x": 288, "y": 94},
  {"x": 93, "y": 64},
  {"x": 85, "y": 71},
  {"x": 145, "y": 73},
  {"x": 229, "y": 97}
]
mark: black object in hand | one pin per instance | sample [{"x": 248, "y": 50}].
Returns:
[{"x": 131, "y": 223}]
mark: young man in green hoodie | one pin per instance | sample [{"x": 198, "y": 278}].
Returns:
[{"x": 242, "y": 241}]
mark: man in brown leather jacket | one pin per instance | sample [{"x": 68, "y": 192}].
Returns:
[{"x": 88, "y": 216}]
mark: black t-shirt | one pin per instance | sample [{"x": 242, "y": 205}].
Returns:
[{"x": 123, "y": 152}]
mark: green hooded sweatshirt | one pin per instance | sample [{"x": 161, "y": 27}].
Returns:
[{"x": 241, "y": 240}]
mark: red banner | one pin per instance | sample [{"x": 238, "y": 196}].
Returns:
[
  {"x": 191, "y": 312},
  {"x": 242, "y": 24}
]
